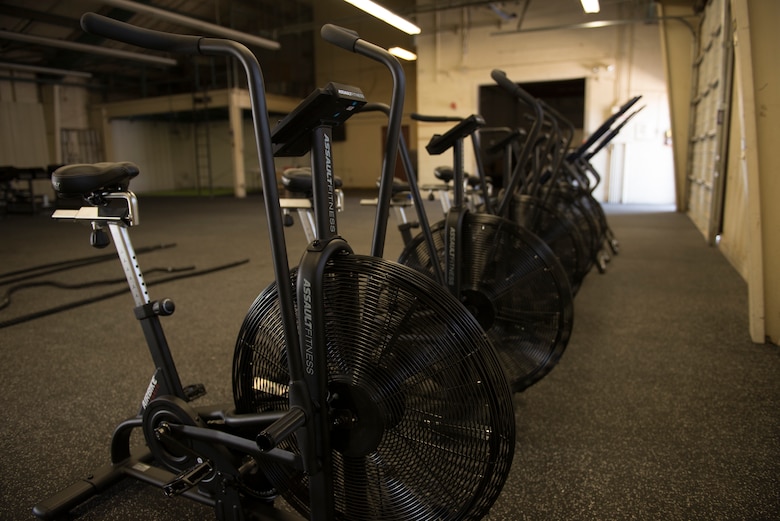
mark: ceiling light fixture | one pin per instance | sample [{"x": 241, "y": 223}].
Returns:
[
  {"x": 386, "y": 16},
  {"x": 402, "y": 53},
  {"x": 590, "y": 6},
  {"x": 499, "y": 11}
]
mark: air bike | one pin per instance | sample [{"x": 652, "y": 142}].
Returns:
[{"x": 363, "y": 390}]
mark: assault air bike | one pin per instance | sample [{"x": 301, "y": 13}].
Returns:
[{"x": 362, "y": 389}]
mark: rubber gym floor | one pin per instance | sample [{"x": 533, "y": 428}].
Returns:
[{"x": 660, "y": 409}]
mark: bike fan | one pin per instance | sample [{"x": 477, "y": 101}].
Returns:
[
  {"x": 416, "y": 427},
  {"x": 515, "y": 287}
]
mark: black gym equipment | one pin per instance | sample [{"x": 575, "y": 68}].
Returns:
[
  {"x": 363, "y": 390},
  {"x": 506, "y": 276}
]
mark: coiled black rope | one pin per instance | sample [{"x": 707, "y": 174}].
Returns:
[
  {"x": 54, "y": 267},
  {"x": 5, "y": 298},
  {"x": 97, "y": 298}
]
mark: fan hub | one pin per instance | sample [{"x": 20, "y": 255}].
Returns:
[
  {"x": 480, "y": 306},
  {"x": 356, "y": 419}
]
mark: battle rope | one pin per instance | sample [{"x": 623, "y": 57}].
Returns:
[
  {"x": 72, "y": 305},
  {"x": 46, "y": 269}
]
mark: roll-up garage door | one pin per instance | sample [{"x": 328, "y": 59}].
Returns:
[{"x": 711, "y": 94}]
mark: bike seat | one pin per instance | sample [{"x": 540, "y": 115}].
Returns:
[
  {"x": 399, "y": 186},
  {"x": 299, "y": 180},
  {"x": 474, "y": 181},
  {"x": 85, "y": 179},
  {"x": 444, "y": 173}
]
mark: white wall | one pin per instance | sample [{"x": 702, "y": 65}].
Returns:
[
  {"x": 23, "y": 139},
  {"x": 457, "y": 52},
  {"x": 165, "y": 153}
]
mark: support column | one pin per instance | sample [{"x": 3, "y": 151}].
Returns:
[{"x": 237, "y": 142}]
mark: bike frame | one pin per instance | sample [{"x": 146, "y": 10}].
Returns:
[{"x": 307, "y": 417}]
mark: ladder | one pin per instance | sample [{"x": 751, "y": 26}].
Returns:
[{"x": 204, "y": 181}]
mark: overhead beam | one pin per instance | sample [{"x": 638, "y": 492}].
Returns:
[
  {"x": 65, "y": 44},
  {"x": 24, "y": 13},
  {"x": 200, "y": 25},
  {"x": 183, "y": 103},
  {"x": 44, "y": 70},
  {"x": 588, "y": 25}
]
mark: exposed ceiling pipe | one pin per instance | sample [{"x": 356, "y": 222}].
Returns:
[
  {"x": 45, "y": 70},
  {"x": 207, "y": 27},
  {"x": 94, "y": 49},
  {"x": 589, "y": 25}
]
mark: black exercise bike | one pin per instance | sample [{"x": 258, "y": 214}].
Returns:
[
  {"x": 505, "y": 275},
  {"x": 362, "y": 389}
]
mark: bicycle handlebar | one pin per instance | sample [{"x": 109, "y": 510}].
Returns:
[
  {"x": 434, "y": 119},
  {"x": 349, "y": 40},
  {"x": 581, "y": 151},
  {"x": 147, "y": 38},
  {"x": 188, "y": 44},
  {"x": 499, "y": 77},
  {"x": 340, "y": 37}
]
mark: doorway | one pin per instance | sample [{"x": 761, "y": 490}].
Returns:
[{"x": 502, "y": 111}]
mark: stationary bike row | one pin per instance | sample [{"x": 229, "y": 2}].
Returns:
[
  {"x": 504, "y": 275},
  {"x": 237, "y": 458},
  {"x": 557, "y": 193}
]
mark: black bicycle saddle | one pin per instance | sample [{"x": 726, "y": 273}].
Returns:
[
  {"x": 444, "y": 173},
  {"x": 299, "y": 180},
  {"x": 85, "y": 179}
]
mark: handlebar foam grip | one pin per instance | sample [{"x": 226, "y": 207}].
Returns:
[
  {"x": 434, "y": 119},
  {"x": 115, "y": 30},
  {"x": 499, "y": 77},
  {"x": 339, "y": 36},
  {"x": 375, "y": 107}
]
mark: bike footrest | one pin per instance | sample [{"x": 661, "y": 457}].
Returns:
[
  {"x": 194, "y": 391},
  {"x": 188, "y": 479}
]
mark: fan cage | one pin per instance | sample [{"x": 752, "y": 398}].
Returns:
[
  {"x": 428, "y": 385},
  {"x": 514, "y": 285}
]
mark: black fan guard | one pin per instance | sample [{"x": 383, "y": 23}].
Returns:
[
  {"x": 515, "y": 286},
  {"x": 558, "y": 231},
  {"x": 435, "y": 433}
]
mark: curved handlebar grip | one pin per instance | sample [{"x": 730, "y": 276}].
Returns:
[
  {"x": 339, "y": 36},
  {"x": 499, "y": 77},
  {"x": 115, "y": 30},
  {"x": 375, "y": 107},
  {"x": 434, "y": 119}
]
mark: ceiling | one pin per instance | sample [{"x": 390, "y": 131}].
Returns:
[
  {"x": 50, "y": 21},
  {"x": 289, "y": 70}
]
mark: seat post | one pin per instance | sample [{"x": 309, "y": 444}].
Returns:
[
  {"x": 166, "y": 378},
  {"x": 127, "y": 257}
]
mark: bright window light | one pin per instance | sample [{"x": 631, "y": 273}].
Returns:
[
  {"x": 402, "y": 53},
  {"x": 383, "y": 14},
  {"x": 590, "y": 6}
]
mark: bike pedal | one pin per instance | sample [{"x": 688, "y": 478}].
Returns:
[
  {"x": 188, "y": 479},
  {"x": 194, "y": 391}
]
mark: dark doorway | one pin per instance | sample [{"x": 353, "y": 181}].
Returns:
[{"x": 501, "y": 111}]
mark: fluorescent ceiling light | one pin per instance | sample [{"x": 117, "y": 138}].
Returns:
[
  {"x": 590, "y": 6},
  {"x": 402, "y": 53},
  {"x": 383, "y": 14}
]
